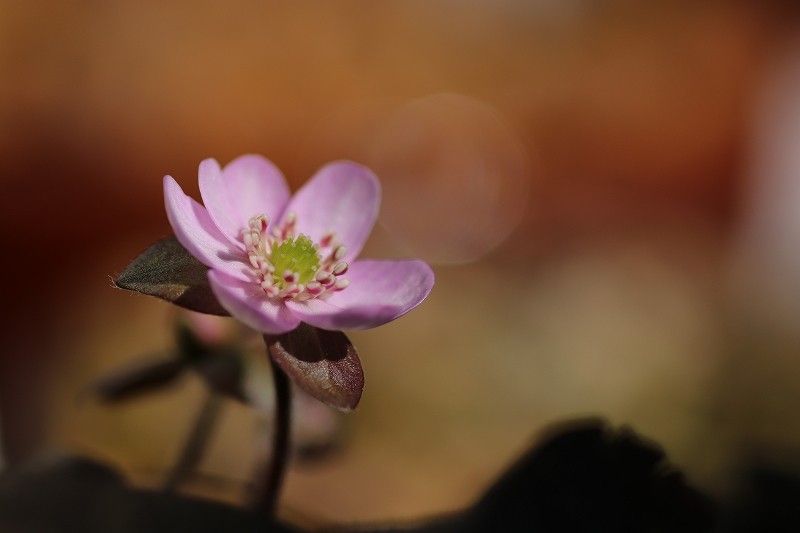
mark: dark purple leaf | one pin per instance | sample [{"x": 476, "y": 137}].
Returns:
[
  {"x": 167, "y": 271},
  {"x": 323, "y": 363}
]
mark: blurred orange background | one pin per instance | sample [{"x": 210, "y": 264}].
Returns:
[{"x": 607, "y": 190}]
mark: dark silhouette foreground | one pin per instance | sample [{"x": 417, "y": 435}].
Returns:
[{"x": 582, "y": 476}]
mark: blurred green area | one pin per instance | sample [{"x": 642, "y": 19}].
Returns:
[{"x": 588, "y": 179}]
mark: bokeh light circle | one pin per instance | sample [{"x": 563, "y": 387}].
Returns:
[{"x": 455, "y": 177}]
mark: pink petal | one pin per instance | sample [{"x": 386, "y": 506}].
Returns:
[
  {"x": 248, "y": 186},
  {"x": 246, "y": 302},
  {"x": 197, "y": 233},
  {"x": 379, "y": 292},
  {"x": 342, "y": 197}
]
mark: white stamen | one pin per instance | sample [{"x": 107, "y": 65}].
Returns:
[
  {"x": 326, "y": 239},
  {"x": 314, "y": 288},
  {"x": 324, "y": 277},
  {"x": 290, "y": 291},
  {"x": 259, "y": 223},
  {"x": 272, "y": 291},
  {"x": 260, "y": 240}
]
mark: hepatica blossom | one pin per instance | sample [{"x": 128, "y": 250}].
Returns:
[{"x": 277, "y": 260}]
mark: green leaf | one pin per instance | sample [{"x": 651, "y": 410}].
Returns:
[
  {"x": 167, "y": 271},
  {"x": 323, "y": 363}
]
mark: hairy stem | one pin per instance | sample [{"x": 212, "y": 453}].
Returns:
[{"x": 271, "y": 477}]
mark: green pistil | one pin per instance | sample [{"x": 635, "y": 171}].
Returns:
[{"x": 296, "y": 255}]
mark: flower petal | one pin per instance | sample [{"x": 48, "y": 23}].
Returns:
[
  {"x": 342, "y": 197},
  {"x": 197, "y": 233},
  {"x": 248, "y": 186},
  {"x": 379, "y": 292},
  {"x": 246, "y": 302}
]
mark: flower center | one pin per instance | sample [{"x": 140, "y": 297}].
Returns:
[
  {"x": 294, "y": 267},
  {"x": 297, "y": 255}
]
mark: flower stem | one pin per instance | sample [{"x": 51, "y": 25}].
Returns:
[
  {"x": 196, "y": 443},
  {"x": 272, "y": 476}
]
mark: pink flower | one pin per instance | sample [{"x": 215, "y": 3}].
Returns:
[{"x": 276, "y": 260}]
